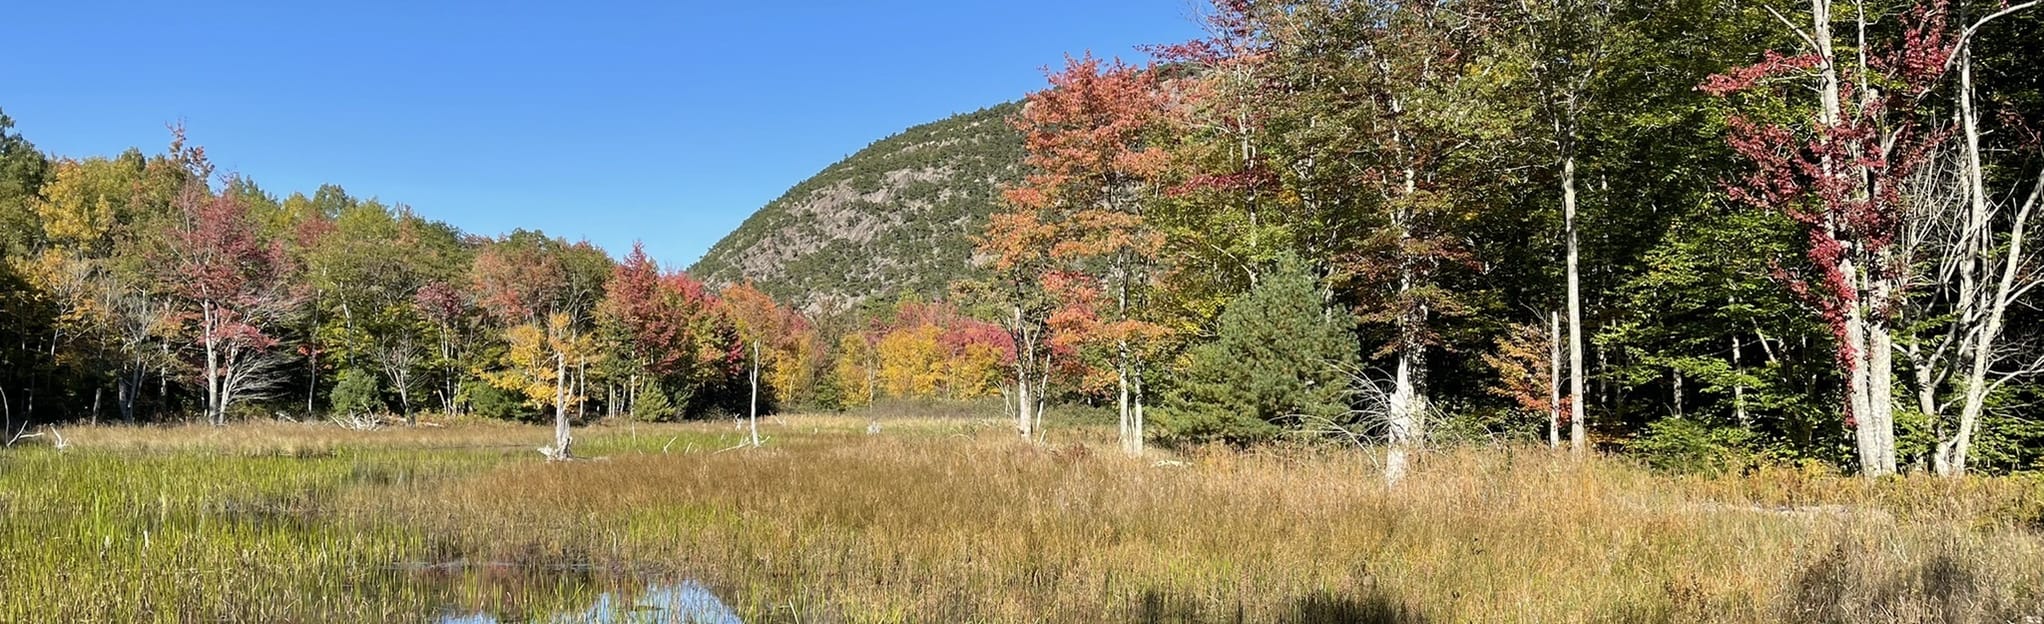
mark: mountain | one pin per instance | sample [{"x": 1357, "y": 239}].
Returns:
[{"x": 898, "y": 217}]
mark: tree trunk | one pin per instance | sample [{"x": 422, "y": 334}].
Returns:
[
  {"x": 162, "y": 378},
  {"x": 1578, "y": 425},
  {"x": 1865, "y": 442},
  {"x": 124, "y": 395},
  {"x": 1139, "y": 426},
  {"x": 562, "y": 440},
  {"x": 404, "y": 402},
  {"x": 754, "y": 423},
  {"x": 1991, "y": 306},
  {"x": 1127, "y": 424},
  {"x": 312, "y": 364},
  {"x": 215, "y": 408},
  {"x": 1023, "y": 357},
  {"x": 1407, "y": 406},
  {"x": 1870, "y": 371},
  {"x": 1738, "y": 387},
  {"x": 1882, "y": 384},
  {"x": 1554, "y": 380},
  {"x": 1950, "y": 456},
  {"x": 1408, "y": 397},
  {"x": 1676, "y": 374}
]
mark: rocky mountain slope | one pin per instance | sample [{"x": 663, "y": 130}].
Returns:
[{"x": 898, "y": 217}]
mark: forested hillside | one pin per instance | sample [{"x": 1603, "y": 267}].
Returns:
[{"x": 895, "y": 218}]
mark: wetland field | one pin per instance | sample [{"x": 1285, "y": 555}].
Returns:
[{"x": 954, "y": 520}]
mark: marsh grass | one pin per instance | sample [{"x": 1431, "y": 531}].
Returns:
[{"x": 947, "y": 519}]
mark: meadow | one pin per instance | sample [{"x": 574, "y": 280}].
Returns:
[{"x": 953, "y": 520}]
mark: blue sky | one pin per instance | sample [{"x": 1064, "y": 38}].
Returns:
[{"x": 612, "y": 121}]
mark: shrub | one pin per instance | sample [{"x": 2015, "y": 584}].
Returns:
[
  {"x": 1685, "y": 445},
  {"x": 493, "y": 402},
  {"x": 356, "y": 392}
]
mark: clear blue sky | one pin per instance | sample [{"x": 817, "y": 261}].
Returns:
[{"x": 611, "y": 121}]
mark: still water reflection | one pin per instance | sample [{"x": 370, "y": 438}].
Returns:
[{"x": 687, "y": 602}]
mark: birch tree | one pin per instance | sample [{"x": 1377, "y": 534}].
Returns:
[
  {"x": 1383, "y": 121},
  {"x": 1840, "y": 172},
  {"x": 232, "y": 287},
  {"x": 546, "y": 290},
  {"x": 1967, "y": 248},
  {"x": 1565, "y": 44}
]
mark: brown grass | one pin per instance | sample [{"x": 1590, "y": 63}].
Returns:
[{"x": 942, "y": 520}]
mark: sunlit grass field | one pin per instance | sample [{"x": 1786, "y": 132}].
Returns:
[{"x": 953, "y": 520}]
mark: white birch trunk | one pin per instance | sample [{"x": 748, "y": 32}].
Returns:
[
  {"x": 1126, "y": 425},
  {"x": 753, "y": 421},
  {"x": 1139, "y": 437},
  {"x": 1024, "y": 356},
  {"x": 215, "y": 412},
  {"x": 1554, "y": 380},
  {"x": 562, "y": 440},
  {"x": 1870, "y": 376},
  {"x": 1988, "y": 307},
  {"x": 1407, "y": 406},
  {"x": 1738, "y": 387},
  {"x": 1578, "y": 424},
  {"x": 1408, "y": 399}
]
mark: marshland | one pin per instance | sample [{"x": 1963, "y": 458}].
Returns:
[{"x": 954, "y": 519}]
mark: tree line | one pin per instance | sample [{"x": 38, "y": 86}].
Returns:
[
  {"x": 1714, "y": 233},
  {"x": 1710, "y": 233},
  {"x": 152, "y": 288}
]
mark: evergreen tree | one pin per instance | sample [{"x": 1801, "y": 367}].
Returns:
[{"x": 1280, "y": 360}]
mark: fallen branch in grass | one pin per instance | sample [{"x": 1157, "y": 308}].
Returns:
[
  {"x": 357, "y": 422},
  {"x": 745, "y": 444},
  {"x": 22, "y": 434}
]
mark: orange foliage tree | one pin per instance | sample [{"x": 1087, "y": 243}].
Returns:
[{"x": 1077, "y": 221}]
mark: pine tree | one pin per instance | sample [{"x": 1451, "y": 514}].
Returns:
[{"x": 1280, "y": 360}]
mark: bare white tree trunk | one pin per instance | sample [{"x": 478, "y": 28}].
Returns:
[
  {"x": 1554, "y": 380},
  {"x": 753, "y": 423},
  {"x": 1127, "y": 422},
  {"x": 1139, "y": 427},
  {"x": 1738, "y": 387},
  {"x": 1867, "y": 339},
  {"x": 562, "y": 441},
  {"x": 1408, "y": 402},
  {"x": 1578, "y": 424},
  {"x": 1024, "y": 358},
  {"x": 1407, "y": 407},
  {"x": 1881, "y": 399},
  {"x": 1984, "y": 307},
  {"x": 399, "y": 357},
  {"x": 215, "y": 408}
]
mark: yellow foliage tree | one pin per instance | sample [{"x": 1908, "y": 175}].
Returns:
[
  {"x": 537, "y": 358},
  {"x": 911, "y": 362},
  {"x": 975, "y": 372},
  {"x": 83, "y": 201},
  {"x": 856, "y": 370}
]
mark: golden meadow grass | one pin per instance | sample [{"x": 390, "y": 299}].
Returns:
[{"x": 949, "y": 520}]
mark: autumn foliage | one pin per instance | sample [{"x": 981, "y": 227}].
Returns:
[{"x": 923, "y": 351}]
